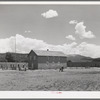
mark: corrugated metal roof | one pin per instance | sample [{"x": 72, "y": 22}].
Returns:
[{"x": 49, "y": 53}]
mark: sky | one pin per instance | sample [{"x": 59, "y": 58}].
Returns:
[{"x": 72, "y": 29}]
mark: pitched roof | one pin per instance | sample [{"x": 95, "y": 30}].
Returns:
[{"x": 49, "y": 53}]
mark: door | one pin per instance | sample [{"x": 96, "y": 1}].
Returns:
[{"x": 34, "y": 65}]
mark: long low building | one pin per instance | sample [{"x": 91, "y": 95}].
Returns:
[{"x": 42, "y": 59}]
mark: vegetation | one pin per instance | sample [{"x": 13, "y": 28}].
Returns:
[
  {"x": 50, "y": 80},
  {"x": 13, "y": 57},
  {"x": 9, "y": 57}
]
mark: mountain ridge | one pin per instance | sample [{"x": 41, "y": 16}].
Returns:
[
  {"x": 22, "y": 57},
  {"x": 79, "y": 58}
]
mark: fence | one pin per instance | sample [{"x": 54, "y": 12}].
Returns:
[{"x": 12, "y": 65}]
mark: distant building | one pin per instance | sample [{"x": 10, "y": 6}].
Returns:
[
  {"x": 40, "y": 59},
  {"x": 11, "y": 60}
]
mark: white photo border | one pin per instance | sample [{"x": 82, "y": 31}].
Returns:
[{"x": 49, "y": 94}]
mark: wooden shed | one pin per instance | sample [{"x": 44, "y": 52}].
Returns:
[{"x": 41, "y": 59}]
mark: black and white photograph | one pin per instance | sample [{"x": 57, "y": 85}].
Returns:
[{"x": 49, "y": 47}]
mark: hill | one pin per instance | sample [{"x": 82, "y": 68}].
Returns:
[
  {"x": 79, "y": 58},
  {"x": 20, "y": 57},
  {"x": 96, "y": 60}
]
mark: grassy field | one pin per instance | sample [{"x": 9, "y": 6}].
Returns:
[{"x": 50, "y": 80}]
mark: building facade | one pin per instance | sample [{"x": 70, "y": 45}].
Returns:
[{"x": 40, "y": 59}]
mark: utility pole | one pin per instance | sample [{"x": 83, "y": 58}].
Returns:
[
  {"x": 15, "y": 43},
  {"x": 15, "y": 53}
]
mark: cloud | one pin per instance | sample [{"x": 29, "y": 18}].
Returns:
[
  {"x": 87, "y": 49},
  {"x": 73, "y": 22},
  {"x": 70, "y": 37},
  {"x": 50, "y": 14},
  {"x": 28, "y": 31},
  {"x": 80, "y": 29},
  {"x": 24, "y": 45},
  {"x": 7, "y": 45}
]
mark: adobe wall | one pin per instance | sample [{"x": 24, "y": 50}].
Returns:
[
  {"x": 50, "y": 59},
  {"x": 51, "y": 65},
  {"x": 10, "y": 65}
]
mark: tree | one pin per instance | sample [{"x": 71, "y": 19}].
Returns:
[
  {"x": 9, "y": 57},
  {"x": 69, "y": 61}
]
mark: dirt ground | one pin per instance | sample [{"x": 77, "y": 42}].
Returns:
[{"x": 50, "y": 80}]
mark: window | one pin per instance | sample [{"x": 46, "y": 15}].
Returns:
[
  {"x": 59, "y": 59},
  {"x": 53, "y": 58},
  {"x": 47, "y": 63},
  {"x": 58, "y": 63},
  {"x": 48, "y": 58},
  {"x": 34, "y": 57},
  {"x": 30, "y": 57}
]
